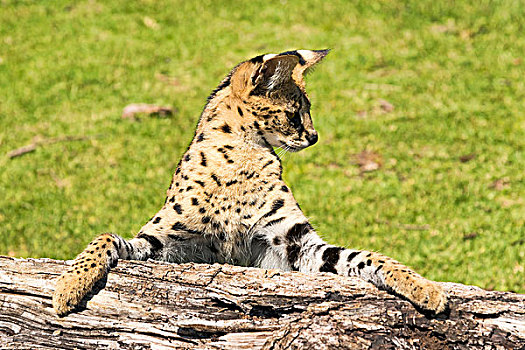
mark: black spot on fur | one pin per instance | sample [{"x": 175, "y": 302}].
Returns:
[
  {"x": 157, "y": 220},
  {"x": 205, "y": 219},
  {"x": 268, "y": 163},
  {"x": 330, "y": 258},
  {"x": 179, "y": 226},
  {"x": 277, "y": 241},
  {"x": 273, "y": 222},
  {"x": 155, "y": 243},
  {"x": 284, "y": 189},
  {"x": 194, "y": 201},
  {"x": 177, "y": 208},
  {"x": 226, "y": 128},
  {"x": 203, "y": 160},
  {"x": 211, "y": 116},
  {"x": 361, "y": 265},
  {"x": 198, "y": 182},
  {"x": 216, "y": 179},
  {"x": 257, "y": 59},
  {"x": 352, "y": 255},
  {"x": 200, "y": 138},
  {"x": 229, "y": 183},
  {"x": 187, "y": 157},
  {"x": 225, "y": 83},
  {"x": 297, "y": 231},
  {"x": 292, "y": 252},
  {"x": 202, "y": 210},
  {"x": 277, "y": 204},
  {"x": 295, "y": 53},
  {"x": 240, "y": 111}
]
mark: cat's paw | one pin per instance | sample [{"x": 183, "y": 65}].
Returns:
[
  {"x": 425, "y": 294},
  {"x": 430, "y": 296},
  {"x": 91, "y": 266}
]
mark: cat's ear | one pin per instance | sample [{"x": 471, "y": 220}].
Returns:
[
  {"x": 267, "y": 73},
  {"x": 273, "y": 71},
  {"x": 263, "y": 74},
  {"x": 309, "y": 58}
]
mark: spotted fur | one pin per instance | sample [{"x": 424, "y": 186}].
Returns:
[{"x": 228, "y": 203}]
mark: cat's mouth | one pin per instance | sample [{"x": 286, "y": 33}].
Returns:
[
  {"x": 288, "y": 145},
  {"x": 292, "y": 147}
]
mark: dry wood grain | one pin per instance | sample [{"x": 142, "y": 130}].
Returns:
[{"x": 152, "y": 305}]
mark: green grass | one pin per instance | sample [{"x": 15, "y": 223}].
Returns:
[{"x": 454, "y": 72}]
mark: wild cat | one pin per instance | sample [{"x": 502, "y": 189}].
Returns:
[{"x": 228, "y": 203}]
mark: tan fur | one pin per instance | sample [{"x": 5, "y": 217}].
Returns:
[
  {"x": 228, "y": 202},
  {"x": 89, "y": 267}
]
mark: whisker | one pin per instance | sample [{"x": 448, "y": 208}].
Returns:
[
  {"x": 281, "y": 152},
  {"x": 286, "y": 149}
]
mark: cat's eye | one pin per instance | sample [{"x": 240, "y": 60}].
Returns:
[{"x": 294, "y": 119}]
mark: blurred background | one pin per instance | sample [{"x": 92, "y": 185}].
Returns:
[{"x": 419, "y": 106}]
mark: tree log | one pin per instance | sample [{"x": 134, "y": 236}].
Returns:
[{"x": 158, "y": 305}]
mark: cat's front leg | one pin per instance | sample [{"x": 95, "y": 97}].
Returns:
[
  {"x": 293, "y": 244},
  {"x": 383, "y": 271}
]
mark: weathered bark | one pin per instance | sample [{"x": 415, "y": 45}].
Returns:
[{"x": 157, "y": 305}]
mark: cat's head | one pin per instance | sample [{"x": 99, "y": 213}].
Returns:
[{"x": 271, "y": 91}]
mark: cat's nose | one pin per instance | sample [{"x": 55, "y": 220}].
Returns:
[{"x": 312, "y": 137}]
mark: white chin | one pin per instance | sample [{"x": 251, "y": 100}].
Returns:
[
  {"x": 275, "y": 142},
  {"x": 294, "y": 148}
]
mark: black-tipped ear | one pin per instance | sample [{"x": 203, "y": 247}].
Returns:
[
  {"x": 274, "y": 71},
  {"x": 310, "y": 58}
]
